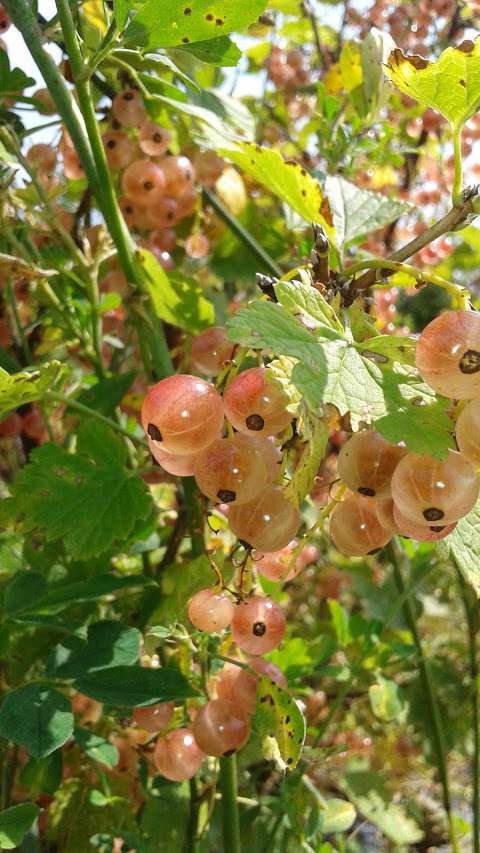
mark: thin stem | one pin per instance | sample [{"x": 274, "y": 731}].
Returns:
[
  {"x": 235, "y": 226},
  {"x": 18, "y": 323},
  {"x": 228, "y": 784},
  {"x": 471, "y": 612},
  {"x": 192, "y": 826},
  {"x": 392, "y": 552},
  {"x": 92, "y": 413},
  {"x": 459, "y": 295},
  {"x": 193, "y": 511},
  {"x": 455, "y": 219},
  {"x": 458, "y": 175}
]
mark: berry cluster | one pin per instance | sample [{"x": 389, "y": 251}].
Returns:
[
  {"x": 399, "y": 492},
  {"x": 288, "y": 69}
]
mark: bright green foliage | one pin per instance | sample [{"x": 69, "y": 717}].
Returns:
[
  {"x": 28, "y": 592},
  {"x": 15, "y": 823},
  {"x": 108, "y": 643},
  {"x": 20, "y": 388},
  {"x": 385, "y": 700},
  {"x": 315, "y": 433},
  {"x": 91, "y": 518},
  {"x": 449, "y": 85},
  {"x": 105, "y": 396},
  {"x": 165, "y": 23},
  {"x": 12, "y": 80},
  {"x": 178, "y": 584},
  {"x": 37, "y": 718},
  {"x": 357, "y": 212},
  {"x": 331, "y": 370},
  {"x": 177, "y": 299},
  {"x": 290, "y": 182},
  {"x": 220, "y": 51},
  {"x": 370, "y": 794},
  {"x": 96, "y": 747},
  {"x": 280, "y": 724},
  {"x": 338, "y": 816},
  {"x": 464, "y": 544},
  {"x": 129, "y": 686}
]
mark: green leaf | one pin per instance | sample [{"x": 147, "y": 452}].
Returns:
[
  {"x": 121, "y": 10},
  {"x": 338, "y": 816},
  {"x": 91, "y": 589},
  {"x": 376, "y": 48},
  {"x": 371, "y": 796},
  {"x": 220, "y": 51},
  {"x": 88, "y": 499},
  {"x": 178, "y": 584},
  {"x": 15, "y": 823},
  {"x": 177, "y": 299},
  {"x": 165, "y": 23},
  {"x": 450, "y": 85},
  {"x": 43, "y": 775},
  {"x": 105, "y": 396},
  {"x": 280, "y": 724},
  {"x": 37, "y": 718},
  {"x": 289, "y": 181},
  {"x": 24, "y": 590},
  {"x": 108, "y": 643},
  {"x": 340, "y": 622},
  {"x": 358, "y": 211},
  {"x": 464, "y": 545},
  {"x": 385, "y": 700},
  {"x": 16, "y": 389},
  {"x": 329, "y": 369},
  {"x": 96, "y": 747},
  {"x": 388, "y": 348},
  {"x": 130, "y": 686},
  {"x": 315, "y": 433},
  {"x": 307, "y": 303},
  {"x": 218, "y": 117},
  {"x": 12, "y": 81}
]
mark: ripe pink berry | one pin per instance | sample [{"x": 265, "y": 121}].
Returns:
[
  {"x": 42, "y": 157},
  {"x": 154, "y": 718},
  {"x": 221, "y": 727},
  {"x": 179, "y": 175},
  {"x": 153, "y": 139},
  {"x": 128, "y": 108},
  {"x": 210, "y": 611},
  {"x": 238, "y": 686},
  {"x": 268, "y": 670},
  {"x": 178, "y": 756},
  {"x": 143, "y": 182},
  {"x": 258, "y": 625},
  {"x": 255, "y": 403},
  {"x": 180, "y": 465},
  {"x": 266, "y": 523},
  {"x": 211, "y": 350},
  {"x": 119, "y": 148},
  {"x": 183, "y": 412},
  {"x": 197, "y": 246}
]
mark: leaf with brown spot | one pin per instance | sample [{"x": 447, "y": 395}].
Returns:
[
  {"x": 451, "y": 85},
  {"x": 167, "y": 23},
  {"x": 280, "y": 724}
]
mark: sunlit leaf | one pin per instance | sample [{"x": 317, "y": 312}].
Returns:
[{"x": 280, "y": 724}]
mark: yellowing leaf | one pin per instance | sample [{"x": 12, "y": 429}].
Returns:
[
  {"x": 231, "y": 190},
  {"x": 280, "y": 723},
  {"x": 16, "y": 389},
  {"x": 333, "y": 79},
  {"x": 451, "y": 85},
  {"x": 287, "y": 180},
  {"x": 351, "y": 66},
  {"x": 93, "y": 12}
]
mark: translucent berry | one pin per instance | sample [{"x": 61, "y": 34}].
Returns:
[
  {"x": 164, "y": 213},
  {"x": 434, "y": 492},
  {"x": 197, "y": 246},
  {"x": 221, "y": 727},
  {"x": 230, "y": 471},
  {"x": 412, "y": 530},
  {"x": 467, "y": 432},
  {"x": 239, "y": 686},
  {"x": 184, "y": 413},
  {"x": 268, "y": 522},
  {"x": 180, "y": 465},
  {"x": 135, "y": 215},
  {"x": 179, "y": 175},
  {"x": 366, "y": 463},
  {"x": 72, "y": 167},
  {"x": 153, "y": 139},
  {"x": 187, "y": 203},
  {"x": 143, "y": 182},
  {"x": 255, "y": 403},
  {"x": 210, "y": 611},
  {"x": 355, "y": 529},
  {"x": 119, "y": 148},
  {"x": 164, "y": 239},
  {"x": 275, "y": 566},
  {"x": 47, "y": 105},
  {"x": 155, "y": 718},
  {"x": 258, "y": 625},
  {"x": 177, "y": 756},
  {"x": 128, "y": 108},
  {"x": 211, "y": 350},
  {"x": 448, "y": 354},
  {"x": 270, "y": 452},
  {"x": 42, "y": 157},
  {"x": 384, "y": 510}
]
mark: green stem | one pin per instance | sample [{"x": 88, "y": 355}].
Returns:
[
  {"x": 18, "y": 324},
  {"x": 460, "y": 296},
  {"x": 392, "y": 551},
  {"x": 471, "y": 612},
  {"x": 235, "y": 226},
  {"x": 192, "y": 827},
  {"x": 457, "y": 157},
  {"x": 92, "y": 413},
  {"x": 194, "y": 515},
  {"x": 228, "y": 784}
]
